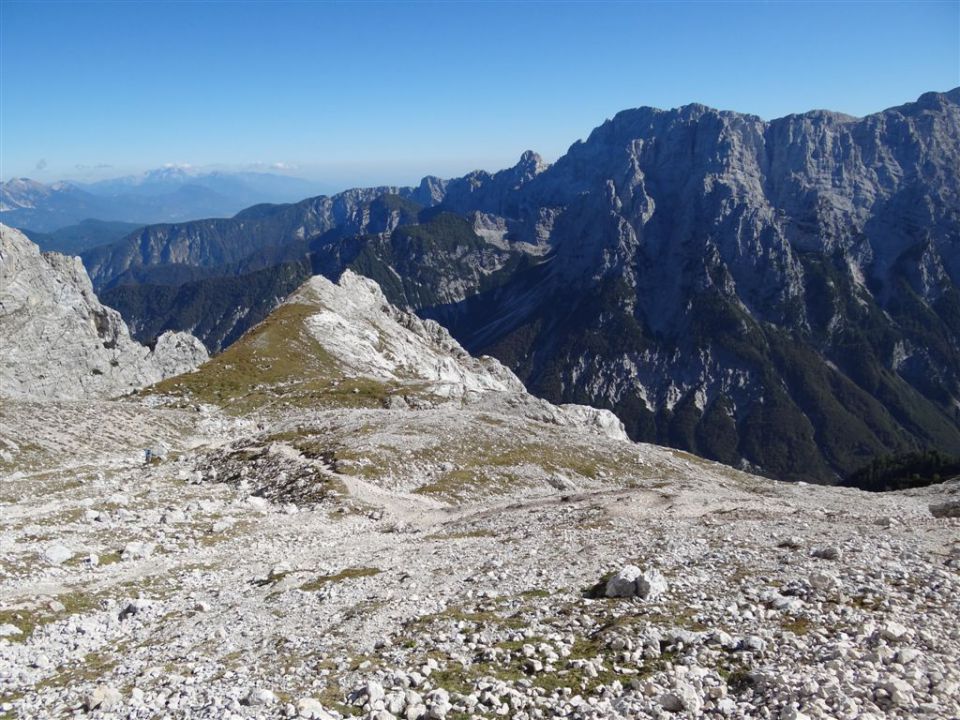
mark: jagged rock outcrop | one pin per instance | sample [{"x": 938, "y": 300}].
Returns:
[
  {"x": 353, "y": 321},
  {"x": 59, "y": 342},
  {"x": 365, "y": 333}
]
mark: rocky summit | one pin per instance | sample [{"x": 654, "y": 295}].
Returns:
[
  {"x": 344, "y": 514},
  {"x": 59, "y": 342}
]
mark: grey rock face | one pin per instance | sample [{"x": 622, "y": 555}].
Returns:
[
  {"x": 734, "y": 286},
  {"x": 59, "y": 342}
]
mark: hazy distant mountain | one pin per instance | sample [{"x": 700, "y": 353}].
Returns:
[
  {"x": 164, "y": 195},
  {"x": 778, "y": 295},
  {"x": 246, "y": 187}
]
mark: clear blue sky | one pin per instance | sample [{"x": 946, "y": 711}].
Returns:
[{"x": 386, "y": 92}]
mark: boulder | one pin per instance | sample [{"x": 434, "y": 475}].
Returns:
[
  {"x": 311, "y": 709},
  {"x": 948, "y": 509},
  {"x": 103, "y": 697},
  {"x": 631, "y": 581},
  {"x": 259, "y": 697}
]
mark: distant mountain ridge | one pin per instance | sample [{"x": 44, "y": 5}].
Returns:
[
  {"x": 165, "y": 195},
  {"x": 780, "y": 295}
]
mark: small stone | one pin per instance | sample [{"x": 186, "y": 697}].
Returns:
[
  {"x": 135, "y": 607},
  {"x": 311, "y": 709},
  {"x": 373, "y": 691},
  {"x": 57, "y": 554},
  {"x": 395, "y": 702},
  {"x": 948, "y": 509},
  {"x": 821, "y": 581},
  {"x": 672, "y": 701},
  {"x": 787, "y": 604},
  {"x": 222, "y": 525},
  {"x": 258, "y": 503},
  {"x": 828, "y": 552},
  {"x": 8, "y": 630},
  {"x": 907, "y": 655},
  {"x": 893, "y": 630},
  {"x": 103, "y": 697},
  {"x": 259, "y": 697},
  {"x": 137, "y": 550},
  {"x": 631, "y": 581},
  {"x": 414, "y": 712},
  {"x": 683, "y": 697},
  {"x": 726, "y": 706},
  {"x": 172, "y": 517}
]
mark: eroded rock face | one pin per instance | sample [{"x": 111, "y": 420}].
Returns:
[
  {"x": 59, "y": 342},
  {"x": 367, "y": 334}
]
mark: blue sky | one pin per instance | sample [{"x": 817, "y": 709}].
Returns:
[{"x": 385, "y": 92}]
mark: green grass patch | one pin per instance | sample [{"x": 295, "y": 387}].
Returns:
[
  {"x": 347, "y": 574},
  {"x": 278, "y": 362},
  {"x": 798, "y": 626}
]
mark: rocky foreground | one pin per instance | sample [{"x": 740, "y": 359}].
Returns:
[{"x": 345, "y": 515}]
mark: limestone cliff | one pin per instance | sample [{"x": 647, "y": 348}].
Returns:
[{"x": 58, "y": 342}]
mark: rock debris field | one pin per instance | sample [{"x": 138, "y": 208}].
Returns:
[{"x": 133, "y": 590}]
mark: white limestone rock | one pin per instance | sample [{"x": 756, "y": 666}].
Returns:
[
  {"x": 355, "y": 323},
  {"x": 67, "y": 345},
  {"x": 57, "y": 554},
  {"x": 631, "y": 581}
]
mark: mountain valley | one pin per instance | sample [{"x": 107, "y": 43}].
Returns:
[{"x": 168, "y": 194}]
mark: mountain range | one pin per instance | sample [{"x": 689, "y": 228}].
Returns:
[
  {"x": 167, "y": 194},
  {"x": 781, "y": 296}
]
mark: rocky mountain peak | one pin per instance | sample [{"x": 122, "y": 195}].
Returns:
[
  {"x": 530, "y": 165},
  {"x": 68, "y": 345}
]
